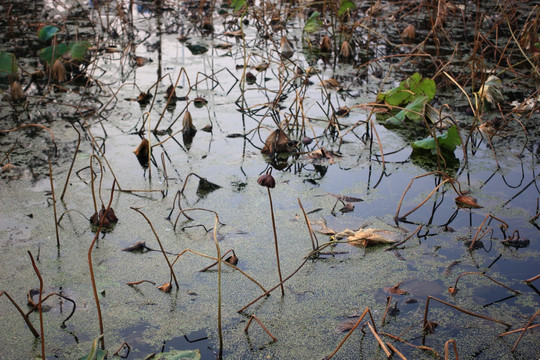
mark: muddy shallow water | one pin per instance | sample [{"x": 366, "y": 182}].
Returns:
[{"x": 330, "y": 289}]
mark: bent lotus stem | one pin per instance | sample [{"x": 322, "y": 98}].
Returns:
[{"x": 276, "y": 242}]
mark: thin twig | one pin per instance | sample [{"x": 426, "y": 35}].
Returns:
[{"x": 262, "y": 325}]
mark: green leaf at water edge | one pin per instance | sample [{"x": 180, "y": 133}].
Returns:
[
  {"x": 407, "y": 89},
  {"x": 413, "y": 111},
  {"x": 47, "y": 32},
  {"x": 345, "y": 6},
  {"x": 314, "y": 23},
  {"x": 51, "y": 53},
  {"x": 8, "y": 64},
  {"x": 447, "y": 141},
  {"x": 179, "y": 355},
  {"x": 95, "y": 353}
]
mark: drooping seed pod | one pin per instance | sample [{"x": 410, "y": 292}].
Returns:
[
  {"x": 346, "y": 52},
  {"x": 267, "y": 179},
  {"x": 326, "y": 44},
  {"x": 287, "y": 50},
  {"x": 58, "y": 71},
  {"x": 409, "y": 33},
  {"x": 187, "y": 123},
  {"x": 17, "y": 92}
]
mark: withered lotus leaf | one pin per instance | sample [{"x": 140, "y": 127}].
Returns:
[
  {"x": 331, "y": 84},
  {"x": 395, "y": 290},
  {"x": 516, "y": 241},
  {"x": 453, "y": 290},
  {"x": 368, "y": 236},
  {"x": 144, "y": 98},
  {"x": 232, "y": 259},
  {"x": 429, "y": 327},
  {"x": 166, "y": 288},
  {"x": 346, "y": 325},
  {"x": 347, "y": 208},
  {"x": 139, "y": 246},
  {"x": 277, "y": 142},
  {"x": 108, "y": 217},
  {"x": 142, "y": 152},
  {"x": 465, "y": 201}
]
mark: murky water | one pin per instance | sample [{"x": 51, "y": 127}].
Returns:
[{"x": 327, "y": 290}]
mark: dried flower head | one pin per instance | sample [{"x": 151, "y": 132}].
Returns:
[
  {"x": 326, "y": 44},
  {"x": 409, "y": 33},
  {"x": 267, "y": 179},
  {"x": 346, "y": 52},
  {"x": 287, "y": 49},
  {"x": 17, "y": 92},
  {"x": 187, "y": 122},
  {"x": 58, "y": 71}
]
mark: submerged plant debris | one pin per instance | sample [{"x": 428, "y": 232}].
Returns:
[{"x": 419, "y": 119}]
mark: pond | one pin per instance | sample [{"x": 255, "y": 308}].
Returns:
[{"x": 173, "y": 114}]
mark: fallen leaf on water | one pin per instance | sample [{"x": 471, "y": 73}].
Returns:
[
  {"x": 165, "y": 287},
  {"x": 395, "y": 290},
  {"x": 322, "y": 155},
  {"x": 516, "y": 241},
  {"x": 346, "y": 198},
  {"x": 346, "y": 325},
  {"x": 262, "y": 66},
  {"x": 277, "y": 142},
  {"x": 347, "y": 208},
  {"x": 465, "y": 201},
  {"x": 141, "y": 61},
  {"x": 491, "y": 90},
  {"x": 139, "y": 246},
  {"x": 366, "y": 237},
  {"x": 323, "y": 228},
  {"x": 331, "y": 84}
]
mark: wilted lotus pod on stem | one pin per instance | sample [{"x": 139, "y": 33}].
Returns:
[
  {"x": 267, "y": 179},
  {"x": 187, "y": 122},
  {"x": 17, "y": 92},
  {"x": 409, "y": 33},
  {"x": 58, "y": 71},
  {"x": 326, "y": 44},
  {"x": 346, "y": 52},
  {"x": 287, "y": 50}
]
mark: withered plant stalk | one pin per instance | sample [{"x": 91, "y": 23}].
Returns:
[
  {"x": 447, "y": 350},
  {"x": 275, "y": 241},
  {"x": 25, "y": 317},
  {"x": 262, "y": 325},
  {"x": 173, "y": 275},
  {"x": 91, "y": 267},
  {"x": 40, "y": 308},
  {"x": 458, "y": 308}
]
